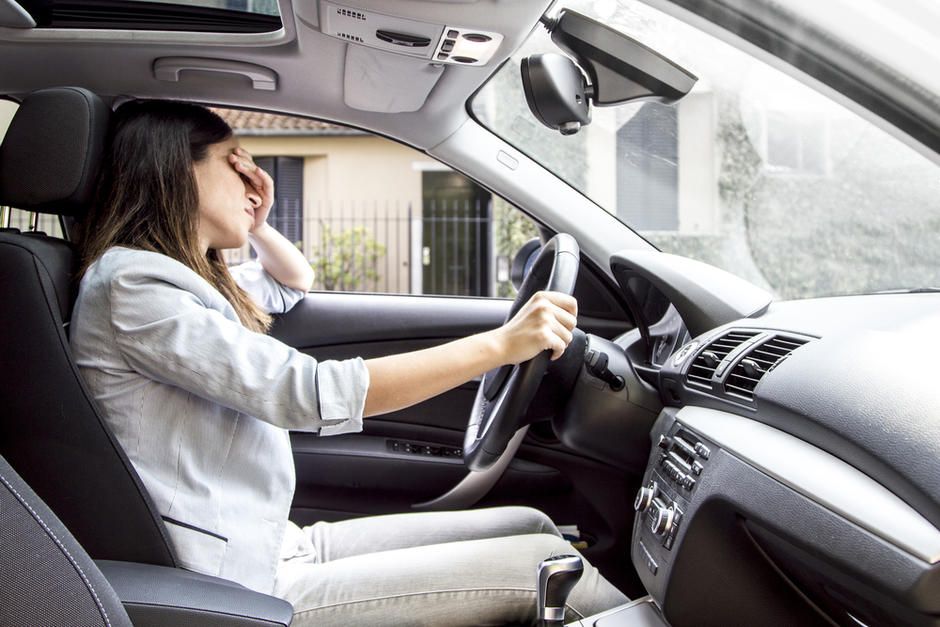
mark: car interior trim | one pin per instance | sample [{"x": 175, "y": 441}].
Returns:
[
  {"x": 820, "y": 477},
  {"x": 13, "y": 15},
  {"x": 693, "y": 288},
  {"x": 475, "y": 485},
  {"x": 373, "y": 80},
  {"x": 144, "y": 37}
]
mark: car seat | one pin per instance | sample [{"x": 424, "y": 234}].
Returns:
[
  {"x": 46, "y": 578},
  {"x": 51, "y": 431}
]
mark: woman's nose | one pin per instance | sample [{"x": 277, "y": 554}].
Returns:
[{"x": 253, "y": 196}]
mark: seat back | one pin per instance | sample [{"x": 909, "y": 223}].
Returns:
[
  {"x": 51, "y": 430},
  {"x": 46, "y": 578}
]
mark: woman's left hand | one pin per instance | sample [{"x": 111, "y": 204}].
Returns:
[{"x": 258, "y": 179}]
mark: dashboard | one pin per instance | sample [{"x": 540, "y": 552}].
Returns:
[{"x": 794, "y": 472}]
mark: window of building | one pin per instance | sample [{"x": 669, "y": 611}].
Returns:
[
  {"x": 287, "y": 214},
  {"x": 648, "y": 177}
]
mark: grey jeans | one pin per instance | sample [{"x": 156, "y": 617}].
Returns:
[{"x": 475, "y": 567}]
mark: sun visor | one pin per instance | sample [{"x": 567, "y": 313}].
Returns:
[{"x": 386, "y": 82}]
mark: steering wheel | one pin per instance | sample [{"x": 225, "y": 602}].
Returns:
[{"x": 505, "y": 393}]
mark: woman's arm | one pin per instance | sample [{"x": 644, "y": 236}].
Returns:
[
  {"x": 398, "y": 381},
  {"x": 279, "y": 257}
]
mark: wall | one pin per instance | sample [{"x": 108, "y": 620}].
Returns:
[{"x": 356, "y": 179}]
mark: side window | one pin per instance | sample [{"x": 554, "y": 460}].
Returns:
[
  {"x": 11, "y": 216},
  {"x": 372, "y": 215}
]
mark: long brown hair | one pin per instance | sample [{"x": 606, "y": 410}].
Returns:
[{"x": 147, "y": 197}]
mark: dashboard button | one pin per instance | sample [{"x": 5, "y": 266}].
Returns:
[
  {"x": 685, "y": 446},
  {"x": 702, "y": 450},
  {"x": 651, "y": 564},
  {"x": 697, "y": 468}
]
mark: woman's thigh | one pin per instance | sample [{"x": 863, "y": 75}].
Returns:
[
  {"x": 470, "y": 582},
  {"x": 373, "y": 534}
]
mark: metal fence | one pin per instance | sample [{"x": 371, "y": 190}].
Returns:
[{"x": 390, "y": 247}]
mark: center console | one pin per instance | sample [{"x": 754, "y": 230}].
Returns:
[{"x": 678, "y": 465}]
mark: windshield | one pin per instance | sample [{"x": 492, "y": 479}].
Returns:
[{"x": 753, "y": 171}]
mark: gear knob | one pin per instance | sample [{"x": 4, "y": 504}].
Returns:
[{"x": 556, "y": 577}]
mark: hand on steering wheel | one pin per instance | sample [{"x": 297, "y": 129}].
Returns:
[
  {"x": 544, "y": 323},
  {"x": 505, "y": 393}
]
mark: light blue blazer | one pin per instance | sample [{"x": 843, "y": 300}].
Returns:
[{"x": 202, "y": 405}]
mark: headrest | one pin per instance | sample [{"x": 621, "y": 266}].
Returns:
[{"x": 52, "y": 150}]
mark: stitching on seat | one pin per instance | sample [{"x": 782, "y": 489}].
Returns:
[
  {"x": 319, "y": 608},
  {"x": 415, "y": 594},
  {"x": 62, "y": 547}
]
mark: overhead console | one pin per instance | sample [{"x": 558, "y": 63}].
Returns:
[
  {"x": 436, "y": 42},
  {"x": 396, "y": 54}
]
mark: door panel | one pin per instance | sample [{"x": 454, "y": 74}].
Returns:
[{"x": 362, "y": 474}]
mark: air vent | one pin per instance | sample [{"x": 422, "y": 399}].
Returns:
[
  {"x": 356, "y": 15},
  {"x": 708, "y": 360},
  {"x": 759, "y": 361}
]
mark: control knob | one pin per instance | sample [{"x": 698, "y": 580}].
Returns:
[
  {"x": 645, "y": 497},
  {"x": 662, "y": 518}
]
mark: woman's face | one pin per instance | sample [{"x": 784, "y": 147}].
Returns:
[{"x": 227, "y": 203}]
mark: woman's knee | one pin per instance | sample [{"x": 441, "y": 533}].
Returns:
[{"x": 532, "y": 520}]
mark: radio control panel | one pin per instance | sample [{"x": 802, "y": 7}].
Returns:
[{"x": 678, "y": 464}]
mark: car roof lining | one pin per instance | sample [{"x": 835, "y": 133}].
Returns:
[{"x": 307, "y": 85}]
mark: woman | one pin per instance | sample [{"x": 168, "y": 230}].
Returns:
[{"x": 172, "y": 345}]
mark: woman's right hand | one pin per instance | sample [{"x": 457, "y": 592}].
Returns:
[{"x": 545, "y": 322}]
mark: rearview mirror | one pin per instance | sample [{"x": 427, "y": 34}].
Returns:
[
  {"x": 555, "y": 91},
  {"x": 611, "y": 69},
  {"x": 620, "y": 68}
]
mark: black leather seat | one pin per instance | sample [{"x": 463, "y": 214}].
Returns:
[
  {"x": 46, "y": 578},
  {"x": 51, "y": 431}
]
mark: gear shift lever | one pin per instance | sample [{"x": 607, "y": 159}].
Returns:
[{"x": 556, "y": 576}]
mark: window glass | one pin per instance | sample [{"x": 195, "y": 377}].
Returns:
[
  {"x": 374, "y": 215},
  {"x": 261, "y": 7},
  {"x": 219, "y": 16},
  {"x": 753, "y": 171},
  {"x": 11, "y": 216}
]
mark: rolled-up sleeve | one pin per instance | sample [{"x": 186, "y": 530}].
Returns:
[
  {"x": 271, "y": 295},
  {"x": 171, "y": 335}
]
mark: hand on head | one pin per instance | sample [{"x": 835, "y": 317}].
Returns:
[
  {"x": 545, "y": 322},
  {"x": 256, "y": 178}
]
